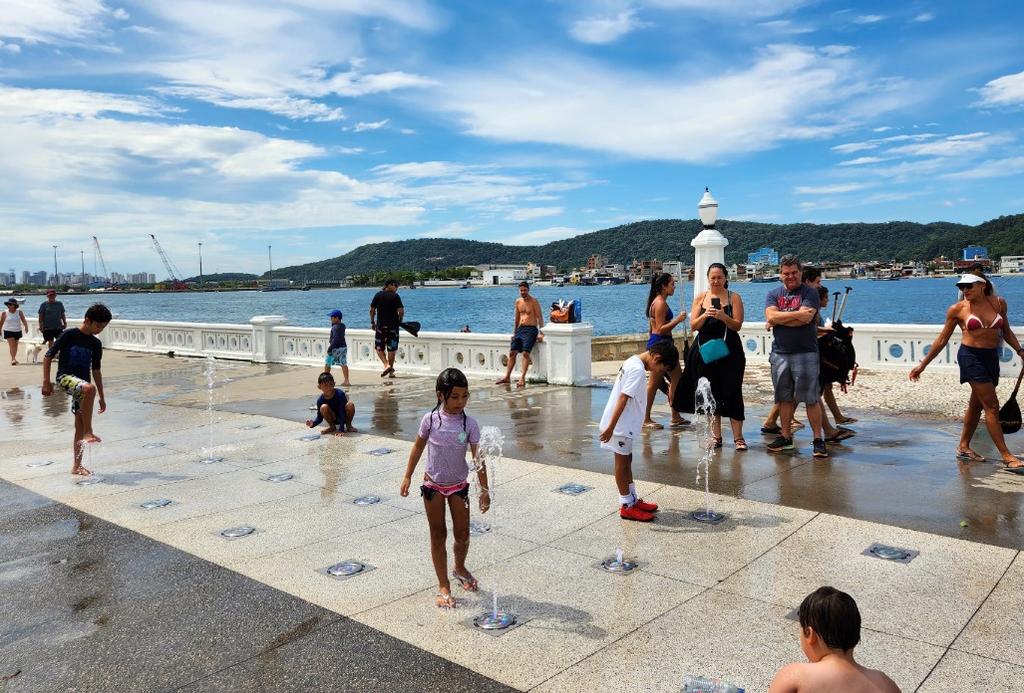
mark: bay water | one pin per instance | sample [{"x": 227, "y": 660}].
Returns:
[{"x": 612, "y": 310}]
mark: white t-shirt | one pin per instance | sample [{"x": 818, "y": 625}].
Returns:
[{"x": 632, "y": 382}]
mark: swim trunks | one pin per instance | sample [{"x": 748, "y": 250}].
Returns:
[
  {"x": 337, "y": 357},
  {"x": 524, "y": 339},
  {"x": 385, "y": 338},
  {"x": 73, "y": 386}
]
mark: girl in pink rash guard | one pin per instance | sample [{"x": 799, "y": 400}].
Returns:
[{"x": 446, "y": 433}]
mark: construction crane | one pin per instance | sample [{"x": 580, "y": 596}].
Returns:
[
  {"x": 103, "y": 263},
  {"x": 172, "y": 274}
]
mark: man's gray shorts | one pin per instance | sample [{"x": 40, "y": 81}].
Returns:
[{"x": 795, "y": 377}]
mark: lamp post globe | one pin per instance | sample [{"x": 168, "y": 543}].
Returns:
[{"x": 709, "y": 244}]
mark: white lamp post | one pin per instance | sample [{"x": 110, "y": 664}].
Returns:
[{"x": 709, "y": 245}]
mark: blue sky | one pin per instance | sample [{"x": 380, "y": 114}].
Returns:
[{"x": 316, "y": 126}]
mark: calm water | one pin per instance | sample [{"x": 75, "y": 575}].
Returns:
[{"x": 611, "y": 309}]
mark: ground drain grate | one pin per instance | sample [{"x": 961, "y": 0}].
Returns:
[
  {"x": 890, "y": 553},
  {"x": 573, "y": 489}
]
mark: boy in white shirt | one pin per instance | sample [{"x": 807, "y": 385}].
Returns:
[{"x": 623, "y": 420}]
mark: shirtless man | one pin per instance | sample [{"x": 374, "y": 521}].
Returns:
[{"x": 527, "y": 330}]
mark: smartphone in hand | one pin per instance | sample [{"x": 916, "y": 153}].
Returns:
[{"x": 716, "y": 303}]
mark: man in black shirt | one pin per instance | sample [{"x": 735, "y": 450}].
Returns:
[{"x": 386, "y": 313}]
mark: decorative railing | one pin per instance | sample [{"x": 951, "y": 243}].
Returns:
[
  {"x": 563, "y": 357},
  {"x": 885, "y": 346}
]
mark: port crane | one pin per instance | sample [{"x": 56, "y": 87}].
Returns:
[
  {"x": 171, "y": 273},
  {"x": 107, "y": 279}
]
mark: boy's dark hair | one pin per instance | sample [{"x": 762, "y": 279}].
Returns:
[
  {"x": 324, "y": 378},
  {"x": 822, "y": 292},
  {"x": 834, "y": 617},
  {"x": 667, "y": 351},
  {"x": 389, "y": 281},
  {"x": 448, "y": 380},
  {"x": 99, "y": 314},
  {"x": 811, "y": 273}
]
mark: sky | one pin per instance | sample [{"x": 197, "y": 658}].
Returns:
[{"x": 280, "y": 132}]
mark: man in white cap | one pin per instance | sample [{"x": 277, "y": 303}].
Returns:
[{"x": 52, "y": 320}]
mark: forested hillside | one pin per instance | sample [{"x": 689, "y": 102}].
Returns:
[{"x": 669, "y": 239}]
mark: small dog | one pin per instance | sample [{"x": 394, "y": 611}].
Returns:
[{"x": 32, "y": 352}]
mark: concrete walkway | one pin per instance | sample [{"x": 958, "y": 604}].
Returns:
[{"x": 102, "y": 595}]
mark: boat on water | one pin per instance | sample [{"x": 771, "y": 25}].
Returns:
[
  {"x": 893, "y": 277},
  {"x": 764, "y": 280}
]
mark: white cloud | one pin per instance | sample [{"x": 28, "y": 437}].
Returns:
[
  {"x": 868, "y": 19},
  {"x": 787, "y": 93},
  {"x": 1004, "y": 91},
  {"x": 455, "y": 229},
  {"x": 862, "y": 161},
  {"x": 830, "y": 189},
  {"x": 603, "y": 30},
  {"x": 51, "y": 21},
  {"x": 528, "y": 213},
  {"x": 952, "y": 146},
  {"x": 364, "y": 127},
  {"x": 741, "y": 8},
  {"x": 542, "y": 236},
  {"x": 993, "y": 168},
  {"x": 925, "y": 17}
]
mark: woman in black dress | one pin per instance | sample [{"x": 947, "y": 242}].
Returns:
[{"x": 717, "y": 314}]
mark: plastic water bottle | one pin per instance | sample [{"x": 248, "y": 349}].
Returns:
[{"x": 700, "y": 684}]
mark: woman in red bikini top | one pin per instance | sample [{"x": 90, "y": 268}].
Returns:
[{"x": 983, "y": 322}]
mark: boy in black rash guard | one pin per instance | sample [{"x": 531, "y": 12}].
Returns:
[
  {"x": 333, "y": 407},
  {"x": 79, "y": 364}
]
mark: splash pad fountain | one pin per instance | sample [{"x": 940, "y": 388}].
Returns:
[
  {"x": 208, "y": 456},
  {"x": 704, "y": 430},
  {"x": 495, "y": 621}
]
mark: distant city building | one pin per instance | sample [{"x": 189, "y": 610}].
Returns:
[
  {"x": 975, "y": 252},
  {"x": 675, "y": 268},
  {"x": 34, "y": 278},
  {"x": 497, "y": 275},
  {"x": 1011, "y": 264},
  {"x": 764, "y": 256},
  {"x": 644, "y": 270},
  {"x": 595, "y": 261}
]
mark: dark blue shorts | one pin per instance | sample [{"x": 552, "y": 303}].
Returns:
[
  {"x": 524, "y": 339},
  {"x": 978, "y": 365}
]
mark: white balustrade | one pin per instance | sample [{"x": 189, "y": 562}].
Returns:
[{"x": 563, "y": 358}]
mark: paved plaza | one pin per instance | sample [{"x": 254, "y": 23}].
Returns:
[{"x": 99, "y": 594}]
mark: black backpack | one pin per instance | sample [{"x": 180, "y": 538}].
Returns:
[{"x": 837, "y": 355}]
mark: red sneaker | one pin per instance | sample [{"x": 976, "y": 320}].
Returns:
[
  {"x": 645, "y": 506},
  {"x": 635, "y": 513}
]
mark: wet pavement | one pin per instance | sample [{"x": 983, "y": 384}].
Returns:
[{"x": 99, "y": 595}]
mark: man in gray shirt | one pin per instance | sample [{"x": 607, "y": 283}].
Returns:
[
  {"x": 52, "y": 320},
  {"x": 790, "y": 312}
]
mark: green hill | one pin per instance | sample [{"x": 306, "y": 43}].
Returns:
[{"x": 669, "y": 239}]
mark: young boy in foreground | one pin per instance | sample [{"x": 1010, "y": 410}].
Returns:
[
  {"x": 333, "y": 407},
  {"x": 623, "y": 419},
  {"x": 829, "y": 630},
  {"x": 79, "y": 363}
]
